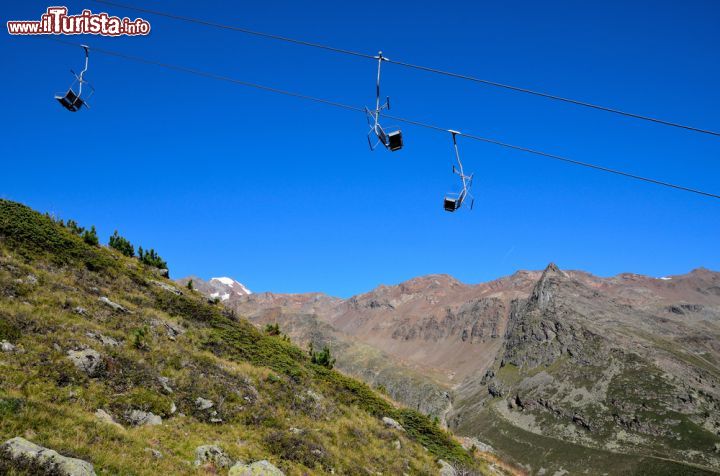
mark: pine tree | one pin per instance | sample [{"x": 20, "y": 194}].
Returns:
[
  {"x": 121, "y": 244},
  {"x": 151, "y": 258},
  {"x": 75, "y": 228},
  {"x": 272, "y": 329},
  {"x": 322, "y": 358},
  {"x": 90, "y": 236}
]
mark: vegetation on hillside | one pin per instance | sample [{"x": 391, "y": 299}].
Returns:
[{"x": 212, "y": 378}]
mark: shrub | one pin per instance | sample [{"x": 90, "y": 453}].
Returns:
[
  {"x": 299, "y": 448},
  {"x": 122, "y": 245},
  {"x": 10, "y": 406},
  {"x": 9, "y": 329},
  {"x": 140, "y": 338},
  {"x": 33, "y": 235},
  {"x": 144, "y": 399}
]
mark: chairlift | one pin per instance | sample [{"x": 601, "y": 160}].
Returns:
[
  {"x": 391, "y": 140},
  {"x": 74, "y": 101},
  {"x": 453, "y": 201}
]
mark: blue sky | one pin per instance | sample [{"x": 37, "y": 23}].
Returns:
[{"x": 285, "y": 196}]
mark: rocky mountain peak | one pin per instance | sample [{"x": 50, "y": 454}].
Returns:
[{"x": 543, "y": 292}]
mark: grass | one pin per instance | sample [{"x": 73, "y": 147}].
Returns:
[{"x": 261, "y": 386}]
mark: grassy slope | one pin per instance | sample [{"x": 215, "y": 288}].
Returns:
[{"x": 259, "y": 384}]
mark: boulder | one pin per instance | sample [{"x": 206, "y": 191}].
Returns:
[
  {"x": 172, "y": 330},
  {"x": 89, "y": 361},
  {"x": 390, "y": 423},
  {"x": 106, "y": 341},
  {"x": 211, "y": 454},
  {"x": 140, "y": 418},
  {"x": 446, "y": 469},
  {"x": 167, "y": 287},
  {"x": 105, "y": 417},
  {"x": 468, "y": 443},
  {"x": 115, "y": 306},
  {"x": 203, "y": 404},
  {"x": 258, "y": 468},
  {"x": 165, "y": 383},
  {"x": 6, "y": 346},
  {"x": 24, "y": 451}
]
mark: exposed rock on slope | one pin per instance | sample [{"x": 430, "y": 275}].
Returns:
[{"x": 31, "y": 457}]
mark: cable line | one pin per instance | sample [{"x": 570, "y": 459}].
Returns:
[
  {"x": 209, "y": 75},
  {"x": 416, "y": 66},
  {"x": 412, "y": 122}
]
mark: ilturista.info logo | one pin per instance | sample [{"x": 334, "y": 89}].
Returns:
[{"x": 56, "y": 21}]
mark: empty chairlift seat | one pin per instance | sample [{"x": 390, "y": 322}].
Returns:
[
  {"x": 451, "y": 203},
  {"x": 395, "y": 140},
  {"x": 70, "y": 101}
]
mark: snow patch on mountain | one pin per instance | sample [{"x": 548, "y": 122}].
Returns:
[{"x": 235, "y": 286}]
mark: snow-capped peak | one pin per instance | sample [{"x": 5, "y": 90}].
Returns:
[
  {"x": 226, "y": 281},
  {"x": 237, "y": 287}
]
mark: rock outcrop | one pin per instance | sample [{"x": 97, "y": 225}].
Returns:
[
  {"x": 88, "y": 360},
  {"x": 43, "y": 461},
  {"x": 258, "y": 468},
  {"x": 212, "y": 454}
]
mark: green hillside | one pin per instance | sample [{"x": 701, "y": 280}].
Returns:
[{"x": 146, "y": 351}]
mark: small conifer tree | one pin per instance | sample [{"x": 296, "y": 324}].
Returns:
[
  {"x": 121, "y": 244},
  {"x": 272, "y": 329},
  {"x": 322, "y": 358},
  {"x": 151, "y": 258},
  {"x": 90, "y": 236},
  {"x": 74, "y": 227}
]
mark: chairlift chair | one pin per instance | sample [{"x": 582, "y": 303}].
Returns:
[
  {"x": 391, "y": 140},
  {"x": 71, "y": 100},
  {"x": 453, "y": 201}
]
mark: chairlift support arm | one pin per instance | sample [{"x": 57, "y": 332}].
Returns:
[
  {"x": 80, "y": 77},
  {"x": 378, "y": 107}
]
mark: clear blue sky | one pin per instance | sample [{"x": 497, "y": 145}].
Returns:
[{"x": 285, "y": 196}]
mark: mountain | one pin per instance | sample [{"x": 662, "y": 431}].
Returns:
[
  {"x": 220, "y": 288},
  {"x": 556, "y": 370},
  {"x": 108, "y": 367}
]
